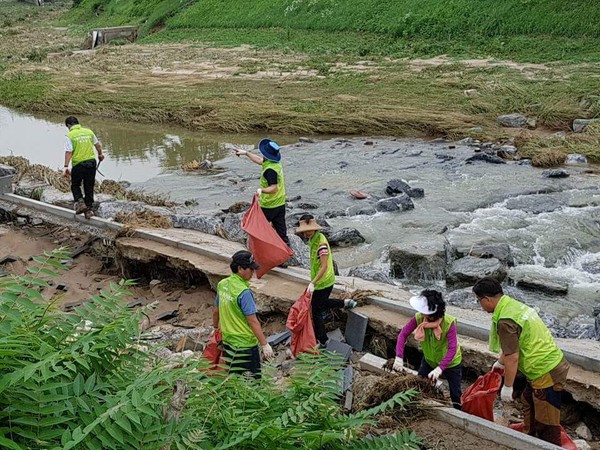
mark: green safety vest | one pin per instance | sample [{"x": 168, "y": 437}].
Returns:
[
  {"x": 328, "y": 278},
  {"x": 234, "y": 325},
  {"x": 434, "y": 350},
  {"x": 278, "y": 198},
  {"x": 538, "y": 353},
  {"x": 83, "y": 144}
]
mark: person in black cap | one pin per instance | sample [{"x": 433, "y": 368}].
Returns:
[
  {"x": 235, "y": 313},
  {"x": 271, "y": 194}
]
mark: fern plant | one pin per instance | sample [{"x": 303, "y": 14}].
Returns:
[{"x": 82, "y": 381}]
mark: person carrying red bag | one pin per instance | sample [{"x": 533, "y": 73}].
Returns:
[{"x": 235, "y": 314}]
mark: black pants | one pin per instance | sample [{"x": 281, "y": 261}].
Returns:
[
  {"x": 243, "y": 360},
  {"x": 454, "y": 377},
  {"x": 321, "y": 302},
  {"x": 84, "y": 172},
  {"x": 277, "y": 218}
]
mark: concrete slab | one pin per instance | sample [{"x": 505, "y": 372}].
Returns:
[
  {"x": 344, "y": 350},
  {"x": 372, "y": 363},
  {"x": 356, "y": 327},
  {"x": 276, "y": 339},
  {"x": 336, "y": 335},
  {"x": 489, "y": 430},
  {"x": 348, "y": 377}
]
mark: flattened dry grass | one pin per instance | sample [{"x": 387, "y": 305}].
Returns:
[{"x": 143, "y": 219}]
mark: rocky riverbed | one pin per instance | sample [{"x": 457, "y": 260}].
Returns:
[{"x": 437, "y": 213}]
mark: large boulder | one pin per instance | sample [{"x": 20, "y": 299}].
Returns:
[
  {"x": 579, "y": 125},
  {"x": 576, "y": 158},
  {"x": 110, "y": 209},
  {"x": 513, "y": 120},
  {"x": 346, "y": 237},
  {"x": 370, "y": 273},
  {"x": 502, "y": 252},
  {"x": 425, "y": 260},
  {"x": 301, "y": 251},
  {"x": 395, "y": 187},
  {"x": 466, "y": 271},
  {"x": 31, "y": 188},
  {"x": 555, "y": 173},
  {"x": 205, "y": 224},
  {"x": 552, "y": 287},
  {"x": 463, "y": 298},
  {"x": 232, "y": 228},
  {"x": 6, "y": 171},
  {"x": 535, "y": 204},
  {"x": 400, "y": 203}
]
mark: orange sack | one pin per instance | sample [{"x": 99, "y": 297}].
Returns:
[
  {"x": 478, "y": 400},
  {"x": 300, "y": 323},
  {"x": 263, "y": 241},
  {"x": 565, "y": 440}
]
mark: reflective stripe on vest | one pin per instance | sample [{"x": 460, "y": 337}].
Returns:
[
  {"x": 538, "y": 353},
  {"x": 234, "y": 325},
  {"x": 278, "y": 198},
  {"x": 434, "y": 350},
  {"x": 328, "y": 278},
  {"x": 82, "y": 140}
]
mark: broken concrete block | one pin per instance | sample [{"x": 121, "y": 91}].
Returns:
[
  {"x": 276, "y": 339},
  {"x": 336, "y": 335},
  {"x": 582, "y": 431},
  {"x": 373, "y": 363},
  {"x": 348, "y": 401},
  {"x": 188, "y": 343},
  {"x": 167, "y": 315},
  {"x": 8, "y": 259},
  {"x": 62, "y": 287},
  {"x": 134, "y": 303},
  {"x": 347, "y": 380},
  {"x": 356, "y": 327},
  {"x": 344, "y": 350}
]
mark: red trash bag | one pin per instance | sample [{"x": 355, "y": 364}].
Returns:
[
  {"x": 300, "y": 323},
  {"x": 565, "y": 439},
  {"x": 263, "y": 241},
  {"x": 214, "y": 350},
  {"x": 478, "y": 400}
]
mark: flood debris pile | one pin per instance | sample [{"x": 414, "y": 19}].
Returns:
[{"x": 142, "y": 219}]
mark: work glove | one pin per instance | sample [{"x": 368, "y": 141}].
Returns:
[
  {"x": 498, "y": 366},
  {"x": 434, "y": 375},
  {"x": 240, "y": 152},
  {"x": 258, "y": 191},
  {"x": 310, "y": 288},
  {"x": 398, "y": 364},
  {"x": 506, "y": 394},
  {"x": 267, "y": 351}
]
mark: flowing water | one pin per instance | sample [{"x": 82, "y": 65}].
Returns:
[{"x": 551, "y": 225}]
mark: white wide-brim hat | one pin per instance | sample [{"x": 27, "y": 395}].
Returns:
[{"x": 419, "y": 303}]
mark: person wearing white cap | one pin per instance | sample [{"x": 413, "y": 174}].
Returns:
[{"x": 436, "y": 332}]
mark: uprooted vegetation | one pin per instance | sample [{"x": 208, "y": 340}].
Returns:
[{"x": 84, "y": 380}]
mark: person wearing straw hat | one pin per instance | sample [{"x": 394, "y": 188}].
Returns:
[
  {"x": 235, "y": 314},
  {"x": 436, "y": 332},
  {"x": 322, "y": 275},
  {"x": 271, "y": 193}
]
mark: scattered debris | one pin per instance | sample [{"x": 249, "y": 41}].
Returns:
[
  {"x": 62, "y": 287},
  {"x": 167, "y": 315},
  {"x": 344, "y": 350},
  {"x": 359, "y": 195},
  {"x": 143, "y": 219},
  {"x": 278, "y": 338},
  {"x": 204, "y": 166}
]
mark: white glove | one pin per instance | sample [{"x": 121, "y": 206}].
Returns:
[
  {"x": 398, "y": 364},
  {"x": 435, "y": 374},
  {"x": 258, "y": 191},
  {"x": 506, "y": 394},
  {"x": 267, "y": 351},
  {"x": 310, "y": 288},
  {"x": 240, "y": 152},
  {"x": 498, "y": 366}
]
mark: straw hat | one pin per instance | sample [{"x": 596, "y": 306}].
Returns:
[{"x": 308, "y": 225}]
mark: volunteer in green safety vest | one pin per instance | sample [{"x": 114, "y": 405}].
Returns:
[
  {"x": 436, "y": 332},
  {"x": 79, "y": 151},
  {"x": 271, "y": 194},
  {"x": 235, "y": 314},
  {"x": 322, "y": 275},
  {"x": 525, "y": 344}
]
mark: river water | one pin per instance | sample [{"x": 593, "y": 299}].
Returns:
[{"x": 551, "y": 225}]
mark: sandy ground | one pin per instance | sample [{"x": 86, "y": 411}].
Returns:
[{"x": 442, "y": 436}]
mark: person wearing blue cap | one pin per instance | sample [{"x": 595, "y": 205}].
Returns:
[{"x": 271, "y": 194}]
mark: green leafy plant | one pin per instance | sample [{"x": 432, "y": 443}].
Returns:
[{"x": 82, "y": 380}]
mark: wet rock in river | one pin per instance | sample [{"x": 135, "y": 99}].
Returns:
[
  {"x": 237, "y": 207},
  {"x": 204, "y": 224},
  {"x": 507, "y": 151},
  {"x": 467, "y": 270},
  {"x": 346, "y": 237},
  {"x": 485, "y": 157},
  {"x": 581, "y": 327},
  {"x": 555, "y": 173},
  {"x": 6, "y": 171},
  {"x": 301, "y": 251},
  {"x": 425, "y": 260},
  {"x": 542, "y": 285},
  {"x": 308, "y": 205},
  {"x": 399, "y": 203},
  {"x": 370, "y": 273},
  {"x": 502, "y": 252},
  {"x": 591, "y": 266},
  {"x": 535, "y": 204},
  {"x": 361, "y": 210},
  {"x": 332, "y": 214},
  {"x": 395, "y": 187}
]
